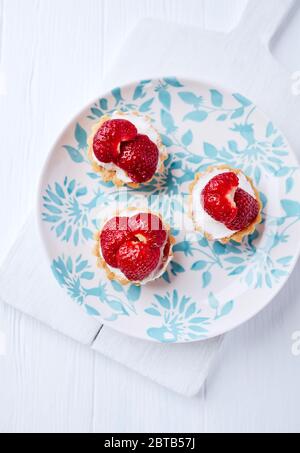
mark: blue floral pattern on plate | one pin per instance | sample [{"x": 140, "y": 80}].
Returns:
[{"x": 208, "y": 288}]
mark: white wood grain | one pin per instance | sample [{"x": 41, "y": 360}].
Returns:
[
  {"x": 54, "y": 54},
  {"x": 46, "y": 380}
]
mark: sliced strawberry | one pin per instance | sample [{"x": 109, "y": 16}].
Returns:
[
  {"x": 150, "y": 227},
  {"x": 137, "y": 260},
  {"x": 135, "y": 244},
  {"x": 139, "y": 158},
  {"x": 247, "y": 211},
  {"x": 218, "y": 197},
  {"x": 114, "y": 233},
  {"x": 108, "y": 138}
]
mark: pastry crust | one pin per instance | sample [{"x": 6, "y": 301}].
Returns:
[
  {"x": 240, "y": 235},
  {"x": 101, "y": 263},
  {"x": 111, "y": 175}
]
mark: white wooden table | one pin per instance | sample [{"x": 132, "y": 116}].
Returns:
[{"x": 53, "y": 55}]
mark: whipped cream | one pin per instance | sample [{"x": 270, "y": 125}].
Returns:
[
  {"x": 161, "y": 267},
  {"x": 215, "y": 229},
  {"x": 144, "y": 127}
]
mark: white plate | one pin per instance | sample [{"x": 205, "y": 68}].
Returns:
[{"x": 209, "y": 288}]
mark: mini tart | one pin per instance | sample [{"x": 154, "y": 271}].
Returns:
[
  {"x": 110, "y": 273},
  {"x": 236, "y": 236},
  {"x": 111, "y": 175}
]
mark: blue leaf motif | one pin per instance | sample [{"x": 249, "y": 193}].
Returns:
[
  {"x": 278, "y": 142},
  {"x": 176, "y": 268},
  {"x": 152, "y": 311},
  {"x": 206, "y": 279},
  {"x": 76, "y": 238},
  {"x": 190, "y": 98},
  {"x": 117, "y": 286},
  {"x": 289, "y": 185},
  {"x": 257, "y": 175},
  {"x": 291, "y": 208},
  {"x": 198, "y": 329},
  {"x": 268, "y": 281},
  {"x": 219, "y": 248},
  {"x": 74, "y": 154},
  {"x": 187, "y": 138},
  {"x": 175, "y": 298},
  {"x": 103, "y": 104},
  {"x": 183, "y": 304},
  {"x": 239, "y": 270},
  {"x": 146, "y": 106},
  {"x": 234, "y": 260},
  {"x": 81, "y": 192},
  {"x": 284, "y": 171},
  {"x": 238, "y": 113},
  {"x": 117, "y": 95},
  {"x": 71, "y": 187},
  {"x": 277, "y": 273},
  {"x": 195, "y": 159},
  {"x": 60, "y": 229},
  {"x": 91, "y": 311},
  {"x": 87, "y": 275},
  {"x": 81, "y": 266},
  {"x": 210, "y": 150},
  {"x": 190, "y": 311},
  {"x": 242, "y": 100},
  {"x": 117, "y": 306},
  {"x": 168, "y": 121},
  {"x": 69, "y": 265},
  {"x": 163, "y": 301},
  {"x": 199, "y": 266},
  {"x": 213, "y": 301},
  {"x": 134, "y": 293},
  {"x": 270, "y": 130},
  {"x": 139, "y": 92},
  {"x": 87, "y": 234},
  {"x": 198, "y": 116},
  {"x": 165, "y": 98},
  {"x": 285, "y": 261},
  {"x": 81, "y": 136},
  {"x": 95, "y": 111},
  {"x": 52, "y": 209},
  {"x": 216, "y": 98},
  {"x": 249, "y": 278},
  {"x": 166, "y": 140},
  {"x": 203, "y": 242},
  {"x": 68, "y": 234},
  {"x": 227, "y": 308},
  {"x": 173, "y": 82},
  {"x": 59, "y": 190}
]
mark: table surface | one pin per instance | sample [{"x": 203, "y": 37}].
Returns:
[{"x": 53, "y": 56}]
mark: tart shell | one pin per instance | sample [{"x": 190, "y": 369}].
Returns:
[
  {"x": 101, "y": 263},
  {"x": 240, "y": 235},
  {"x": 111, "y": 175}
]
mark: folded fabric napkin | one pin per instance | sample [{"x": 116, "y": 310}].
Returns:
[{"x": 26, "y": 283}]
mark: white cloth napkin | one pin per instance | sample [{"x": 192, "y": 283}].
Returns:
[{"x": 26, "y": 283}]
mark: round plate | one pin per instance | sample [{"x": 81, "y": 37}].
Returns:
[{"x": 208, "y": 288}]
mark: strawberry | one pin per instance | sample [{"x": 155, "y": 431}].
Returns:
[
  {"x": 218, "y": 197},
  {"x": 247, "y": 211},
  {"x": 137, "y": 260},
  {"x": 139, "y": 158},
  {"x": 150, "y": 227},
  {"x": 134, "y": 244},
  {"x": 108, "y": 138},
  {"x": 114, "y": 233}
]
